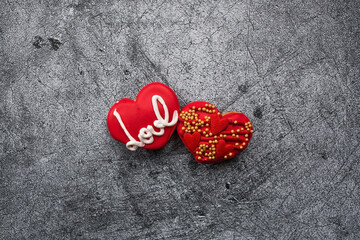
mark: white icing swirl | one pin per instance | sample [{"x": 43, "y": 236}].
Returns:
[{"x": 146, "y": 134}]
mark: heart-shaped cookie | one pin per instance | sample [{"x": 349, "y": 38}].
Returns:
[
  {"x": 211, "y": 136},
  {"x": 147, "y": 122}
]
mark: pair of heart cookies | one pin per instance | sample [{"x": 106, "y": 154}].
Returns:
[{"x": 150, "y": 120}]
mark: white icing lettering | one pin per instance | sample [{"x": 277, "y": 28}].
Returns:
[
  {"x": 146, "y": 134},
  {"x": 132, "y": 144}
]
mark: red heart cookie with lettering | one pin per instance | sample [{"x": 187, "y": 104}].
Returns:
[
  {"x": 149, "y": 121},
  {"x": 211, "y": 136}
]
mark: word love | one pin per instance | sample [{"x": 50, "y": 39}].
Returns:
[{"x": 146, "y": 134}]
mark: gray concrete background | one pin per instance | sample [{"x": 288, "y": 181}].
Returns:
[{"x": 292, "y": 66}]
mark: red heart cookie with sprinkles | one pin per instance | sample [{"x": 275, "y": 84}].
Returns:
[
  {"x": 211, "y": 136},
  {"x": 149, "y": 121}
]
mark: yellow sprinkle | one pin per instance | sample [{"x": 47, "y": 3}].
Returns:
[
  {"x": 225, "y": 157},
  {"x": 230, "y": 154},
  {"x": 236, "y": 144},
  {"x": 235, "y": 122},
  {"x": 244, "y": 144}
]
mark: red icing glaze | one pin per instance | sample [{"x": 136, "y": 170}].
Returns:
[
  {"x": 223, "y": 149},
  {"x": 211, "y": 136},
  {"x": 192, "y": 140},
  {"x": 141, "y": 115},
  {"x": 218, "y": 124}
]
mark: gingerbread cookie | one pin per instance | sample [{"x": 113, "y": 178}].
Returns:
[
  {"x": 211, "y": 136},
  {"x": 149, "y": 121}
]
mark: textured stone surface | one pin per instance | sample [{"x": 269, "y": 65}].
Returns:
[{"x": 292, "y": 66}]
